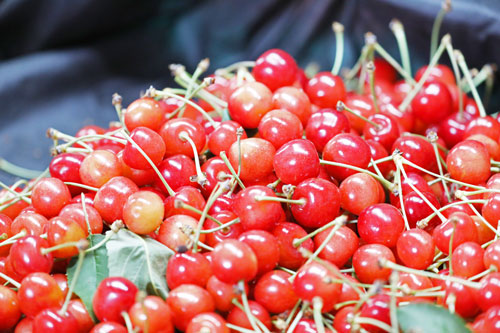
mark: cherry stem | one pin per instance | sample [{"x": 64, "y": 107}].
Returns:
[
  {"x": 380, "y": 50},
  {"x": 463, "y": 65},
  {"x": 8, "y": 189},
  {"x": 483, "y": 273},
  {"x": 375, "y": 167},
  {"x": 486, "y": 72},
  {"x": 200, "y": 177},
  {"x": 115, "y": 227},
  {"x": 221, "y": 227},
  {"x": 432, "y": 136},
  {"x": 391, "y": 265},
  {"x": 10, "y": 280},
  {"x": 445, "y": 8},
  {"x": 468, "y": 193},
  {"x": 351, "y": 74},
  {"x": 297, "y": 241},
  {"x": 342, "y": 107},
  {"x": 393, "y": 279},
  {"x": 116, "y": 100},
  {"x": 45, "y": 251},
  {"x": 464, "y": 199},
  {"x": 180, "y": 110},
  {"x": 450, "y": 246},
  {"x": 238, "y": 328},
  {"x": 387, "y": 184},
  {"x": 490, "y": 81},
  {"x": 400, "y": 195},
  {"x": 370, "y": 68},
  {"x": 423, "y": 223},
  {"x": 373, "y": 322},
  {"x": 141, "y": 151},
  {"x": 14, "y": 238},
  {"x": 128, "y": 322},
  {"x": 274, "y": 184},
  {"x": 18, "y": 171},
  {"x": 298, "y": 317},
  {"x": 246, "y": 306},
  {"x": 291, "y": 315},
  {"x": 85, "y": 214},
  {"x": 301, "y": 201},
  {"x": 456, "y": 71},
  {"x": 318, "y": 319},
  {"x": 79, "y": 264},
  {"x": 234, "y": 67},
  {"x": 223, "y": 156},
  {"x": 399, "y": 32},
  {"x": 200, "y": 69},
  {"x": 406, "y": 102},
  {"x": 183, "y": 205},
  {"x": 87, "y": 187},
  {"x": 338, "y": 29}
]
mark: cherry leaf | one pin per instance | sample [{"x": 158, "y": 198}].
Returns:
[
  {"x": 142, "y": 260},
  {"x": 429, "y": 318}
]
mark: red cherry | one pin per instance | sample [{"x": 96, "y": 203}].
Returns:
[
  {"x": 467, "y": 259},
  {"x": 417, "y": 150},
  {"x": 79, "y": 311},
  {"x": 461, "y": 226},
  {"x": 49, "y": 196},
  {"x": 151, "y": 144},
  {"x": 174, "y": 144},
  {"x": 294, "y": 100},
  {"x": 111, "y": 195},
  {"x": 275, "y": 68},
  {"x": 286, "y": 233},
  {"x": 377, "y": 307},
  {"x": 50, "y": 320},
  {"x": 239, "y": 318},
  {"x": 249, "y": 103},
  {"x": 341, "y": 246},
  {"x": 386, "y": 131},
  {"x": 491, "y": 145},
  {"x": 233, "y": 260},
  {"x": 152, "y": 314},
  {"x": 89, "y": 130},
  {"x": 209, "y": 321},
  {"x": 324, "y": 125},
  {"x": 109, "y": 327},
  {"x": 465, "y": 305},
  {"x": 75, "y": 212},
  {"x": 279, "y": 127},
  {"x": 488, "y": 126},
  {"x": 143, "y": 112},
  {"x": 177, "y": 171},
  {"x": 362, "y": 105},
  {"x": 265, "y": 246},
  {"x": 9, "y": 309},
  {"x": 343, "y": 319},
  {"x": 256, "y": 158},
  {"x": 492, "y": 255},
  {"x": 296, "y": 161},
  {"x": 325, "y": 90},
  {"x": 255, "y": 214},
  {"x": 415, "y": 248},
  {"x": 99, "y": 167},
  {"x": 380, "y": 223},
  {"x": 487, "y": 296},
  {"x": 275, "y": 292},
  {"x": 490, "y": 210},
  {"x": 172, "y": 231},
  {"x": 113, "y": 295},
  {"x": 39, "y": 291},
  {"x": 192, "y": 268},
  {"x": 224, "y": 136},
  {"x": 469, "y": 162},
  {"x": 26, "y": 256},
  {"x": 440, "y": 73},
  {"x": 61, "y": 230},
  {"x": 187, "y": 301},
  {"x": 223, "y": 293},
  {"x": 66, "y": 167},
  {"x": 417, "y": 209},
  {"x": 231, "y": 232},
  {"x": 358, "y": 192},
  {"x": 365, "y": 262}
]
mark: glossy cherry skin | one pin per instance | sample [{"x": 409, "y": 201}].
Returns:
[
  {"x": 275, "y": 292},
  {"x": 322, "y": 202},
  {"x": 152, "y": 314},
  {"x": 325, "y": 90},
  {"x": 256, "y": 158},
  {"x": 489, "y": 321},
  {"x": 39, "y": 291},
  {"x": 386, "y": 131},
  {"x": 255, "y": 214},
  {"x": 143, "y": 212},
  {"x": 415, "y": 248},
  {"x": 452, "y": 128},
  {"x": 233, "y": 260},
  {"x": 233, "y": 231},
  {"x": 362, "y": 105},
  {"x": 467, "y": 259},
  {"x": 347, "y": 149},
  {"x": 174, "y": 145},
  {"x": 9, "y": 308},
  {"x": 286, "y": 233},
  {"x": 215, "y": 170},
  {"x": 6, "y": 231},
  {"x": 280, "y": 126},
  {"x": 177, "y": 171},
  {"x": 111, "y": 195},
  {"x": 49, "y": 196},
  {"x": 192, "y": 268},
  {"x": 62, "y": 230},
  {"x": 294, "y": 100},
  {"x": 324, "y": 125},
  {"x": 113, "y": 295},
  {"x": 89, "y": 130},
  {"x": 440, "y": 72},
  {"x": 488, "y": 126},
  {"x": 109, "y": 327},
  {"x": 239, "y": 318},
  {"x": 417, "y": 209},
  {"x": 343, "y": 319},
  {"x": 275, "y": 68},
  {"x": 377, "y": 307},
  {"x": 433, "y": 103},
  {"x": 465, "y": 304},
  {"x": 491, "y": 145},
  {"x": 187, "y": 301},
  {"x": 172, "y": 231},
  {"x": 26, "y": 257},
  {"x": 79, "y": 311},
  {"x": 360, "y": 191},
  {"x": 146, "y": 112},
  {"x": 490, "y": 210},
  {"x": 249, "y": 103},
  {"x": 265, "y": 246},
  {"x": 492, "y": 255},
  {"x": 50, "y": 320},
  {"x": 296, "y": 161},
  {"x": 223, "y": 293},
  {"x": 416, "y": 180},
  {"x": 469, "y": 162},
  {"x": 381, "y": 224},
  {"x": 150, "y": 142},
  {"x": 487, "y": 294},
  {"x": 365, "y": 262},
  {"x": 210, "y": 322},
  {"x": 461, "y": 226},
  {"x": 312, "y": 281},
  {"x": 99, "y": 167},
  {"x": 341, "y": 246},
  {"x": 417, "y": 150},
  {"x": 66, "y": 167},
  {"x": 224, "y": 136},
  {"x": 76, "y": 213}
]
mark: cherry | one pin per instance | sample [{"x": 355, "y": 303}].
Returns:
[
  {"x": 275, "y": 292},
  {"x": 490, "y": 210},
  {"x": 296, "y": 161},
  {"x": 417, "y": 209},
  {"x": 433, "y": 103},
  {"x": 325, "y": 90},
  {"x": 6, "y": 231},
  {"x": 25, "y": 326},
  {"x": 381, "y": 224},
  {"x": 294, "y": 100},
  {"x": 416, "y": 180},
  {"x": 88, "y": 197},
  {"x": 233, "y": 231},
  {"x": 275, "y": 68},
  {"x": 249, "y": 103},
  {"x": 492, "y": 255},
  {"x": 489, "y": 321},
  {"x": 224, "y": 136},
  {"x": 223, "y": 293},
  {"x": 256, "y": 214},
  {"x": 152, "y": 315},
  {"x": 89, "y": 130},
  {"x": 350, "y": 293},
  {"x": 50, "y": 320},
  {"x": 177, "y": 171},
  {"x": 452, "y": 128},
  {"x": 9, "y": 309},
  {"x": 187, "y": 301},
  {"x": 49, "y": 196},
  {"x": 113, "y": 295},
  {"x": 324, "y": 125},
  {"x": 377, "y": 152},
  {"x": 465, "y": 305},
  {"x": 386, "y": 131},
  {"x": 348, "y": 149},
  {"x": 487, "y": 295},
  {"x": 439, "y": 72},
  {"x": 174, "y": 144},
  {"x": 39, "y": 291},
  {"x": 256, "y": 158},
  {"x": 222, "y": 203},
  {"x": 360, "y": 191},
  {"x": 66, "y": 167},
  {"x": 234, "y": 260},
  {"x": 61, "y": 230},
  {"x": 280, "y": 126},
  {"x": 239, "y": 318},
  {"x": 79, "y": 311},
  {"x": 343, "y": 319},
  {"x": 414, "y": 282},
  {"x": 461, "y": 226},
  {"x": 26, "y": 256},
  {"x": 488, "y": 126},
  {"x": 361, "y": 105},
  {"x": 207, "y": 322},
  {"x": 467, "y": 259},
  {"x": 143, "y": 212},
  {"x": 150, "y": 142},
  {"x": 111, "y": 195},
  {"x": 322, "y": 202},
  {"x": 143, "y": 112},
  {"x": 376, "y": 307},
  {"x": 491, "y": 145},
  {"x": 290, "y": 256},
  {"x": 417, "y": 150},
  {"x": 341, "y": 246},
  {"x": 415, "y": 248},
  {"x": 192, "y": 268},
  {"x": 109, "y": 327},
  {"x": 15, "y": 208},
  {"x": 99, "y": 167},
  {"x": 172, "y": 232},
  {"x": 76, "y": 213},
  {"x": 307, "y": 326},
  {"x": 215, "y": 171},
  {"x": 365, "y": 262},
  {"x": 265, "y": 246},
  {"x": 469, "y": 162}
]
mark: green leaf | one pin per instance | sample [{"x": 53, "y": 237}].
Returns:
[
  {"x": 429, "y": 318},
  {"x": 94, "y": 270},
  {"x": 141, "y": 260}
]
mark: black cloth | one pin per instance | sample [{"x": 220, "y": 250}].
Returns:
[{"x": 60, "y": 61}]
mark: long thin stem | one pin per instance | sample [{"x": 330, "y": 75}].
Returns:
[
  {"x": 456, "y": 70},
  {"x": 399, "y": 32},
  {"x": 18, "y": 171},
  {"x": 463, "y": 65},
  {"x": 79, "y": 264},
  {"x": 338, "y": 29},
  {"x": 201, "y": 178},
  {"x": 223, "y": 156},
  {"x": 10, "y": 280},
  {"x": 387, "y": 57},
  {"x": 248, "y": 311},
  {"x": 318, "y": 319},
  {"x": 445, "y": 8}
]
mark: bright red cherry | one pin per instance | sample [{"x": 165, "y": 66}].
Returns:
[
  {"x": 469, "y": 162},
  {"x": 146, "y": 112},
  {"x": 492, "y": 255},
  {"x": 362, "y": 105},
  {"x": 114, "y": 194},
  {"x": 192, "y": 268},
  {"x": 187, "y": 301},
  {"x": 49, "y": 196},
  {"x": 341, "y": 246},
  {"x": 223, "y": 293},
  {"x": 417, "y": 150},
  {"x": 467, "y": 259},
  {"x": 461, "y": 226},
  {"x": 296, "y": 161},
  {"x": 66, "y": 167},
  {"x": 26, "y": 256},
  {"x": 113, "y": 295},
  {"x": 433, "y": 103},
  {"x": 233, "y": 260},
  {"x": 365, "y": 262},
  {"x": 172, "y": 132},
  {"x": 324, "y": 125},
  {"x": 9, "y": 309},
  {"x": 249, "y": 103},
  {"x": 172, "y": 232},
  {"x": 61, "y": 230},
  {"x": 381, "y": 223},
  {"x": 294, "y": 100},
  {"x": 265, "y": 246},
  {"x": 152, "y": 315},
  {"x": 286, "y": 233},
  {"x": 279, "y": 127},
  {"x": 82, "y": 316},
  {"x": 441, "y": 73},
  {"x": 233, "y": 231},
  {"x": 151, "y": 144},
  {"x": 239, "y": 318},
  {"x": 417, "y": 209},
  {"x": 209, "y": 321},
  {"x": 275, "y": 68},
  {"x": 343, "y": 319},
  {"x": 89, "y": 130},
  {"x": 488, "y": 126},
  {"x": 256, "y": 158},
  {"x": 377, "y": 307},
  {"x": 275, "y": 292},
  {"x": 415, "y": 248},
  {"x": 256, "y": 214},
  {"x": 109, "y": 327},
  {"x": 39, "y": 291},
  {"x": 99, "y": 167},
  {"x": 487, "y": 296},
  {"x": 386, "y": 131},
  {"x": 224, "y": 136},
  {"x": 75, "y": 212},
  {"x": 359, "y": 191},
  {"x": 177, "y": 171},
  {"x": 52, "y": 321},
  {"x": 325, "y": 90}
]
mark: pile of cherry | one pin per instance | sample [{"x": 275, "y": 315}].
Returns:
[{"x": 287, "y": 204}]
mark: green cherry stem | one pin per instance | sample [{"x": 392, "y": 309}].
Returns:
[
  {"x": 445, "y": 8},
  {"x": 183, "y": 205},
  {"x": 393, "y": 279},
  {"x": 116, "y": 101},
  {"x": 432, "y": 136},
  {"x": 456, "y": 70},
  {"x": 370, "y": 69},
  {"x": 380, "y": 50},
  {"x": 298, "y": 317},
  {"x": 11, "y": 191},
  {"x": 10, "y": 280},
  {"x": 238, "y": 328},
  {"x": 463, "y": 65},
  {"x": 18, "y": 171},
  {"x": 318, "y": 319},
  {"x": 85, "y": 214},
  {"x": 342, "y": 107},
  {"x": 200, "y": 177},
  {"x": 234, "y": 67},
  {"x": 221, "y": 227},
  {"x": 301, "y": 201},
  {"x": 450, "y": 246},
  {"x": 387, "y": 184},
  {"x": 14, "y": 238},
  {"x": 87, "y": 187},
  {"x": 82, "y": 246},
  {"x": 246, "y": 306},
  {"x": 128, "y": 322},
  {"x": 399, "y": 32},
  {"x": 298, "y": 241},
  {"x": 223, "y": 156},
  {"x": 338, "y": 29},
  {"x": 115, "y": 227}
]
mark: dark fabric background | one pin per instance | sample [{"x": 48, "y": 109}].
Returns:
[{"x": 60, "y": 61}]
